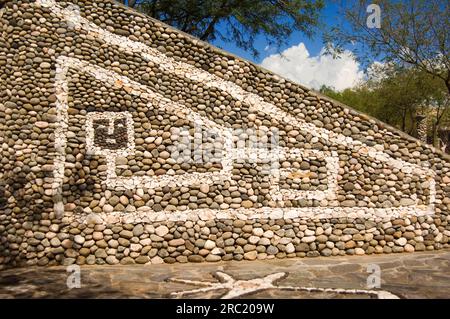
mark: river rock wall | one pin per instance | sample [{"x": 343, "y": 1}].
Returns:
[{"x": 125, "y": 141}]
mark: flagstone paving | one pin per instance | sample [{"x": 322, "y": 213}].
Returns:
[{"x": 417, "y": 275}]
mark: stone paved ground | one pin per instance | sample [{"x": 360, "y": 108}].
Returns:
[{"x": 417, "y": 275}]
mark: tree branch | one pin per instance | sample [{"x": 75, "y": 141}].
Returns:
[{"x": 221, "y": 13}]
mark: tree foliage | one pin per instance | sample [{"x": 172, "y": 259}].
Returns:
[
  {"x": 413, "y": 33},
  {"x": 398, "y": 96},
  {"x": 236, "y": 21}
]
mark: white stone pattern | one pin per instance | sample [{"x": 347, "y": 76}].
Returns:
[
  {"x": 95, "y": 149},
  {"x": 231, "y": 155},
  {"x": 240, "y": 288},
  {"x": 110, "y": 154},
  {"x": 255, "y": 103}
]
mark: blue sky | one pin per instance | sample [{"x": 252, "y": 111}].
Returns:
[
  {"x": 302, "y": 61},
  {"x": 329, "y": 16}
]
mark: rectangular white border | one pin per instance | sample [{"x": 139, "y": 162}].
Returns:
[{"x": 169, "y": 64}]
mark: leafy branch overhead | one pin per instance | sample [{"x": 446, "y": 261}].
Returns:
[
  {"x": 236, "y": 21},
  {"x": 413, "y": 33}
]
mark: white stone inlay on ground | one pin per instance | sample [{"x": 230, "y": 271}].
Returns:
[{"x": 239, "y": 288}]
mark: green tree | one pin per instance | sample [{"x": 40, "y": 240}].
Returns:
[
  {"x": 412, "y": 92},
  {"x": 396, "y": 95},
  {"x": 236, "y": 21},
  {"x": 413, "y": 33}
]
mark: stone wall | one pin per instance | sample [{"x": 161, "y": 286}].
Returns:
[{"x": 126, "y": 141}]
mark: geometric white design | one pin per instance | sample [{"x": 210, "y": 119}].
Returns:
[
  {"x": 331, "y": 159},
  {"x": 147, "y": 215},
  {"x": 332, "y": 164},
  {"x": 95, "y": 149},
  {"x": 230, "y": 155},
  {"x": 240, "y": 288},
  {"x": 149, "y": 182},
  {"x": 111, "y": 154},
  {"x": 254, "y": 101},
  {"x": 155, "y": 100}
]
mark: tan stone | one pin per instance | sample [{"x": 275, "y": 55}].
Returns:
[
  {"x": 161, "y": 231},
  {"x": 251, "y": 255},
  {"x": 247, "y": 204},
  {"x": 176, "y": 242}
]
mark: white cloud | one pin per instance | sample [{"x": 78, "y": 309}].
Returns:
[{"x": 296, "y": 64}]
